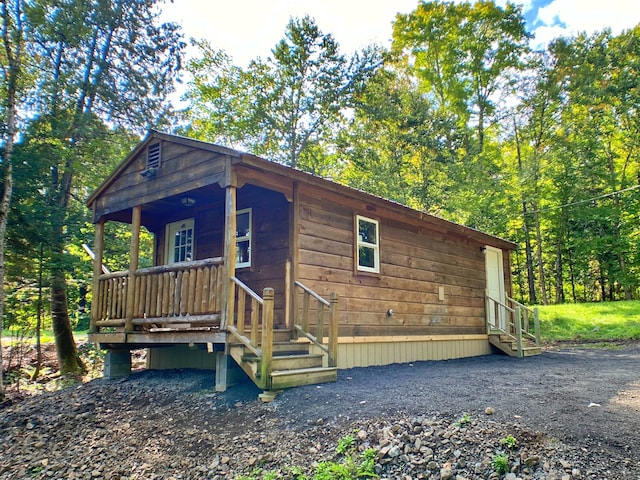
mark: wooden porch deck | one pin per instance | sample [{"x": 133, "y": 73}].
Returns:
[{"x": 190, "y": 302}]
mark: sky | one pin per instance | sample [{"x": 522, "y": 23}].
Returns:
[{"x": 246, "y": 29}]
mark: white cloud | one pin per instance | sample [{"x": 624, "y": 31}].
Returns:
[{"x": 575, "y": 16}]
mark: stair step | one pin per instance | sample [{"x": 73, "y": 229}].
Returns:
[
  {"x": 304, "y": 376},
  {"x": 296, "y": 362},
  {"x": 289, "y": 362},
  {"x": 293, "y": 348}
]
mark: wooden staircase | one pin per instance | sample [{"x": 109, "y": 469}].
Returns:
[
  {"x": 292, "y": 364},
  {"x": 277, "y": 359},
  {"x": 509, "y": 344},
  {"x": 521, "y": 334}
]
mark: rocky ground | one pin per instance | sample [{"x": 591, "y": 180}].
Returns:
[{"x": 571, "y": 413}]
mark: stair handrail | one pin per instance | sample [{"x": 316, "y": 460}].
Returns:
[
  {"x": 526, "y": 312},
  {"x": 332, "y": 304},
  {"x": 264, "y": 352}
]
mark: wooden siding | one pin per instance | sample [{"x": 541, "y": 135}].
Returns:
[
  {"x": 183, "y": 169},
  {"x": 416, "y": 262},
  {"x": 270, "y": 243}
]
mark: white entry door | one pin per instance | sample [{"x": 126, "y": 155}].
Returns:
[
  {"x": 495, "y": 284},
  {"x": 179, "y": 244}
]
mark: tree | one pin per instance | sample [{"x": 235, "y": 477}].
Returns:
[
  {"x": 287, "y": 107},
  {"x": 464, "y": 55},
  {"x": 12, "y": 56},
  {"x": 100, "y": 62}
]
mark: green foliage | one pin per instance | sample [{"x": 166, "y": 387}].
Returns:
[
  {"x": 287, "y": 107},
  {"x": 509, "y": 441},
  {"x": 500, "y": 463},
  {"x": 464, "y": 420},
  {"x": 590, "y": 321},
  {"x": 345, "y": 444}
]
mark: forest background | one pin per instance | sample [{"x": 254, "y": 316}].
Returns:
[{"x": 459, "y": 118}]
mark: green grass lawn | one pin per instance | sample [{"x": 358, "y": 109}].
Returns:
[
  {"x": 590, "y": 321},
  {"x": 45, "y": 337}
]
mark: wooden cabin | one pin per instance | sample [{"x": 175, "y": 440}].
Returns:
[{"x": 291, "y": 275}]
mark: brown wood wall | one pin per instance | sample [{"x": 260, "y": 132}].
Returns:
[
  {"x": 270, "y": 238},
  {"x": 182, "y": 169},
  {"x": 415, "y": 262}
]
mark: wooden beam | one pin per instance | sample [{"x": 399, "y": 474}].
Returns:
[
  {"x": 221, "y": 372},
  {"x": 294, "y": 249},
  {"x": 97, "y": 270},
  {"x": 333, "y": 331},
  {"x": 267, "y": 338},
  {"x": 134, "y": 256},
  {"x": 229, "y": 253}
]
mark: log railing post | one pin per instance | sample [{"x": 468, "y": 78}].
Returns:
[
  {"x": 267, "y": 337},
  {"x": 134, "y": 255},
  {"x": 333, "y": 330},
  {"x": 97, "y": 300}
]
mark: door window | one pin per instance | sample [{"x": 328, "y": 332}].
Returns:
[{"x": 180, "y": 241}]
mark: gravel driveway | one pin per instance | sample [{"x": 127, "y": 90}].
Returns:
[{"x": 574, "y": 411}]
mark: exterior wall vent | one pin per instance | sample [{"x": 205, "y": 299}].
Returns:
[{"x": 153, "y": 156}]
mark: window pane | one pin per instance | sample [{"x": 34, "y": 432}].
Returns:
[
  {"x": 242, "y": 224},
  {"x": 366, "y": 257},
  {"x": 242, "y": 252},
  {"x": 367, "y": 231}
]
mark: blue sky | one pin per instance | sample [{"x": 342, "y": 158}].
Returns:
[{"x": 246, "y": 29}]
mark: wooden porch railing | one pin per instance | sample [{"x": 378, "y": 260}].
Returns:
[
  {"x": 303, "y": 313},
  {"x": 185, "y": 292},
  {"x": 261, "y": 317},
  {"x": 517, "y": 318}
]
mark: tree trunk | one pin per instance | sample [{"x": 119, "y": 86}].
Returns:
[
  {"x": 68, "y": 360},
  {"x": 12, "y": 39},
  {"x": 543, "y": 286},
  {"x": 558, "y": 270}
]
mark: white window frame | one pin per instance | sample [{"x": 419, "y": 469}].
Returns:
[
  {"x": 170, "y": 233},
  {"x": 246, "y": 237},
  {"x": 373, "y": 246}
]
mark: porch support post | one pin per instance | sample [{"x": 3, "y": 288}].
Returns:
[
  {"x": 292, "y": 271},
  {"x": 229, "y": 254},
  {"x": 221, "y": 371},
  {"x": 134, "y": 255},
  {"x": 98, "y": 248}
]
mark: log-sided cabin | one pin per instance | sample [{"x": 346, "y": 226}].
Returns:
[{"x": 291, "y": 275}]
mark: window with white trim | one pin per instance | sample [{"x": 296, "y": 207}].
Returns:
[
  {"x": 243, "y": 238},
  {"x": 367, "y": 244},
  {"x": 180, "y": 241}
]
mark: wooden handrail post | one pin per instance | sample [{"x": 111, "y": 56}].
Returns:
[
  {"x": 305, "y": 311},
  {"x": 487, "y": 309},
  {"x": 134, "y": 255},
  {"x": 287, "y": 295},
  {"x": 333, "y": 330},
  {"x": 518, "y": 320},
  {"x": 267, "y": 337},
  {"x": 536, "y": 324},
  {"x": 320, "y": 322}
]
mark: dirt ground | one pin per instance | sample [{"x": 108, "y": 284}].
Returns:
[{"x": 583, "y": 396}]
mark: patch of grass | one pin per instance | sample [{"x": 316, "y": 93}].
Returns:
[
  {"x": 590, "y": 322},
  {"x": 46, "y": 336}
]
